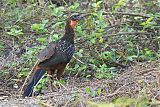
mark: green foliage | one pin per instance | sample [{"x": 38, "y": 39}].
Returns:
[
  {"x": 103, "y": 40},
  {"x": 149, "y": 23},
  {"x": 31, "y": 53},
  {"x": 74, "y": 6},
  {"x": 40, "y": 28},
  {"x": 42, "y": 39},
  {"x": 119, "y": 5},
  {"x": 99, "y": 91},
  {"x": 97, "y": 23},
  {"x": 56, "y": 11},
  {"x": 41, "y": 84},
  {"x": 147, "y": 54},
  {"x": 16, "y": 31},
  {"x": 97, "y": 4},
  {"x": 77, "y": 68},
  {"x": 1, "y": 48},
  {"x": 11, "y": 2},
  {"x": 55, "y": 37},
  {"x": 109, "y": 55},
  {"x": 23, "y": 73},
  {"x": 1, "y": 45},
  {"x": 123, "y": 102},
  {"x": 79, "y": 53},
  {"x": 93, "y": 92},
  {"x": 103, "y": 72}
]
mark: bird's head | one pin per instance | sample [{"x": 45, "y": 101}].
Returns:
[{"x": 74, "y": 19}]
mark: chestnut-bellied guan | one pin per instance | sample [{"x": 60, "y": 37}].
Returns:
[{"x": 54, "y": 57}]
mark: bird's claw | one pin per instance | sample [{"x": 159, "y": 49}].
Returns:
[{"x": 56, "y": 85}]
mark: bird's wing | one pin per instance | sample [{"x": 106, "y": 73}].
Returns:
[
  {"x": 47, "y": 52},
  {"x": 36, "y": 73}
]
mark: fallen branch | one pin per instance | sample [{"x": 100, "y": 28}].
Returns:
[
  {"x": 129, "y": 33},
  {"x": 126, "y": 13},
  {"x": 116, "y": 91},
  {"x": 106, "y": 13}
]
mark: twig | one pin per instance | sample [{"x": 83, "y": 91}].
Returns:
[
  {"x": 4, "y": 84},
  {"x": 116, "y": 92},
  {"x": 67, "y": 103},
  {"x": 79, "y": 60},
  {"x": 126, "y": 13},
  {"x": 65, "y": 2},
  {"x": 83, "y": 62},
  {"x": 115, "y": 25},
  {"x": 106, "y": 13},
  {"x": 129, "y": 33},
  {"x": 146, "y": 71}
]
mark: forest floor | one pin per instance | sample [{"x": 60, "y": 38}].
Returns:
[
  {"x": 140, "y": 80},
  {"x": 137, "y": 83}
]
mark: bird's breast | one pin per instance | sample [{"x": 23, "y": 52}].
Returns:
[{"x": 65, "y": 50}]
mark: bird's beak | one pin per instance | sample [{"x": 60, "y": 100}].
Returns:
[{"x": 80, "y": 17}]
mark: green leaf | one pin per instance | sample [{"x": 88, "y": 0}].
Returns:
[
  {"x": 42, "y": 39},
  {"x": 124, "y": 101},
  {"x": 15, "y": 32},
  {"x": 74, "y": 6},
  {"x": 39, "y": 28},
  {"x": 88, "y": 90},
  {"x": 100, "y": 40},
  {"x": 131, "y": 58},
  {"x": 147, "y": 21},
  {"x": 93, "y": 104},
  {"x": 44, "y": 21},
  {"x": 119, "y": 4},
  {"x": 62, "y": 81},
  {"x": 99, "y": 91},
  {"x": 55, "y": 37},
  {"x": 57, "y": 24},
  {"x": 1, "y": 45},
  {"x": 94, "y": 5},
  {"x": 93, "y": 41}
]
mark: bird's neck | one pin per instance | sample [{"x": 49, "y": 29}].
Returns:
[{"x": 69, "y": 32}]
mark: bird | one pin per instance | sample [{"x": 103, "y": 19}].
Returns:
[{"x": 54, "y": 57}]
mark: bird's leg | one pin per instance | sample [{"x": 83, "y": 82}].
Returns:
[
  {"x": 50, "y": 83},
  {"x": 60, "y": 84},
  {"x": 60, "y": 71},
  {"x": 50, "y": 77}
]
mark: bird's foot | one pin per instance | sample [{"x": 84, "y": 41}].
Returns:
[
  {"x": 59, "y": 85},
  {"x": 55, "y": 85},
  {"x": 51, "y": 85}
]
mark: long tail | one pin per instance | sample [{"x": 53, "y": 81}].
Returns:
[{"x": 37, "y": 75}]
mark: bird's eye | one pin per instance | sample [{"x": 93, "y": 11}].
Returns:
[{"x": 74, "y": 17}]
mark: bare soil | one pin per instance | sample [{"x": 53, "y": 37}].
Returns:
[{"x": 140, "y": 79}]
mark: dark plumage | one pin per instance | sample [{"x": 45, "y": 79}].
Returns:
[{"x": 54, "y": 57}]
